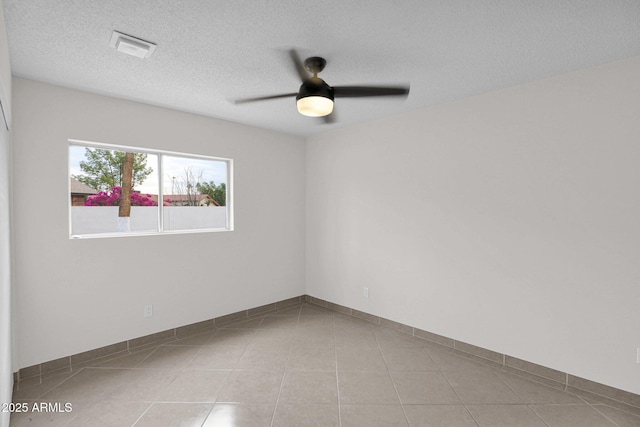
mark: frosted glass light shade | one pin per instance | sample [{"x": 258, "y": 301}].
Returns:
[{"x": 315, "y": 106}]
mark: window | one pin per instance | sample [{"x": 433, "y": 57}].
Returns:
[{"x": 118, "y": 191}]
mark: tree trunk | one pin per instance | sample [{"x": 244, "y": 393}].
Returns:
[{"x": 124, "y": 212}]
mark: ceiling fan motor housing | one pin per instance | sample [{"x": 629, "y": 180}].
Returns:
[
  {"x": 315, "y": 86},
  {"x": 315, "y": 64}
]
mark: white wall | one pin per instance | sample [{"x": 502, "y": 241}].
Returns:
[
  {"x": 77, "y": 295},
  {"x": 5, "y": 71},
  {"x": 508, "y": 220},
  {"x": 6, "y": 288}
]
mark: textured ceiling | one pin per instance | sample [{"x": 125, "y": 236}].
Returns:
[{"x": 211, "y": 52}]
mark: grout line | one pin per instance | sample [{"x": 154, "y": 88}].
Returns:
[
  {"x": 603, "y": 414},
  {"x": 145, "y": 358},
  {"x": 377, "y": 337},
  {"x": 213, "y": 405},
  {"x": 231, "y": 371},
  {"x": 143, "y": 414},
  {"x": 579, "y": 397},
  {"x": 284, "y": 375},
  {"x": 464, "y": 405},
  {"x": 538, "y": 415},
  {"x": 298, "y": 300},
  {"x": 342, "y": 311},
  {"x": 442, "y": 374},
  {"x": 57, "y": 384},
  {"x": 454, "y": 347},
  {"x": 391, "y": 378},
  {"x": 511, "y": 389},
  {"x": 335, "y": 355}
]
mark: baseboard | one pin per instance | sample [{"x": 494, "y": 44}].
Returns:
[
  {"x": 36, "y": 373},
  {"x": 588, "y": 389}
]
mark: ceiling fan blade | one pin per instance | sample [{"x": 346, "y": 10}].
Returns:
[
  {"x": 363, "y": 91},
  {"x": 302, "y": 72},
  {"x": 264, "y": 98}
]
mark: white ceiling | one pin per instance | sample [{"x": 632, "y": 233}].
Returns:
[{"x": 212, "y": 51}]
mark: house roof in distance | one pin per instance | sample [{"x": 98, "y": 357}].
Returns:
[{"x": 78, "y": 187}]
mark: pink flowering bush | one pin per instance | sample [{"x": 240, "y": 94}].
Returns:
[{"x": 112, "y": 198}]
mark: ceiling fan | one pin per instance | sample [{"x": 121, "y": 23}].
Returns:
[{"x": 315, "y": 97}]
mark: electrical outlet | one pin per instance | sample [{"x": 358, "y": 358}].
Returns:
[
  {"x": 365, "y": 292},
  {"x": 148, "y": 310}
]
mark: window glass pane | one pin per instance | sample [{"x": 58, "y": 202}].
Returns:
[
  {"x": 98, "y": 178},
  {"x": 171, "y": 192},
  {"x": 195, "y": 193}
]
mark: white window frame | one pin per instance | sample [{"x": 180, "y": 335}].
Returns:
[{"x": 159, "y": 153}]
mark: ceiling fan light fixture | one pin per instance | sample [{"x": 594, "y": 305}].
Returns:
[
  {"x": 315, "y": 98},
  {"x": 315, "y": 106}
]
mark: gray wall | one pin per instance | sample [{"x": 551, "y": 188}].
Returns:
[
  {"x": 6, "y": 294},
  {"x": 507, "y": 220},
  {"x": 76, "y": 295}
]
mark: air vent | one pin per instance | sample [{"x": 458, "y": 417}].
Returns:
[{"x": 131, "y": 45}]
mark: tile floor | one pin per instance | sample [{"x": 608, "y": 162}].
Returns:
[{"x": 304, "y": 366}]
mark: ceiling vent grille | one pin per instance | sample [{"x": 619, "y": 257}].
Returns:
[{"x": 131, "y": 45}]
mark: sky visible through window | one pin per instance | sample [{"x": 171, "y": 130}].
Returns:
[{"x": 174, "y": 170}]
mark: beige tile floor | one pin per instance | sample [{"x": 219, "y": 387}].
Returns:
[{"x": 304, "y": 366}]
